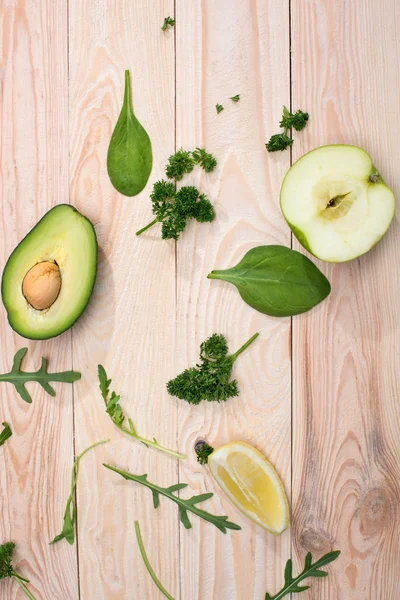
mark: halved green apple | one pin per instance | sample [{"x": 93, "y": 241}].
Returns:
[{"x": 336, "y": 202}]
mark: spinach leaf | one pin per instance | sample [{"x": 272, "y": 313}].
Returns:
[
  {"x": 277, "y": 281},
  {"x": 129, "y": 158}
]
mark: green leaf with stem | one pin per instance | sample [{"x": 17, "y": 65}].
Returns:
[
  {"x": 129, "y": 156},
  {"x": 7, "y": 570},
  {"x": 235, "y": 98},
  {"x": 148, "y": 565},
  {"x": 68, "y": 530},
  {"x": 19, "y": 378},
  {"x": 219, "y": 108},
  {"x": 185, "y": 506},
  {"x": 5, "y": 434},
  {"x": 114, "y": 410},
  {"x": 310, "y": 570}
]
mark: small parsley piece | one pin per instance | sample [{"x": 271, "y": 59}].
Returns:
[
  {"x": 310, "y": 570},
  {"x": 278, "y": 142},
  {"x": 235, "y": 98},
  {"x": 6, "y": 568},
  {"x": 168, "y": 21},
  {"x": 206, "y": 161},
  {"x": 179, "y": 164},
  {"x": 281, "y": 141},
  {"x": 297, "y": 121},
  {"x": 148, "y": 565},
  {"x": 203, "y": 451},
  {"x": 5, "y": 434},
  {"x": 68, "y": 530},
  {"x": 114, "y": 410},
  {"x": 219, "y": 108},
  {"x": 185, "y": 506},
  {"x": 19, "y": 378},
  {"x": 210, "y": 379}
]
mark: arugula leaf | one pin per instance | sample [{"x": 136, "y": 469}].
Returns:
[
  {"x": 185, "y": 506},
  {"x": 5, "y": 434},
  {"x": 219, "y": 108},
  {"x": 129, "y": 157},
  {"x": 19, "y": 378},
  {"x": 117, "y": 416},
  {"x": 168, "y": 21},
  {"x": 147, "y": 563},
  {"x": 235, "y": 98},
  {"x": 310, "y": 570},
  {"x": 277, "y": 281},
  {"x": 209, "y": 380},
  {"x": 6, "y": 568},
  {"x": 68, "y": 530}
]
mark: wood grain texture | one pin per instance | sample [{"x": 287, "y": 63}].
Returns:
[
  {"x": 129, "y": 324},
  {"x": 35, "y": 463},
  {"x": 346, "y": 446},
  {"x": 61, "y": 88},
  {"x": 223, "y": 49}
]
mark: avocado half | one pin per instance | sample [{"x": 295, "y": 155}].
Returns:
[{"x": 49, "y": 278}]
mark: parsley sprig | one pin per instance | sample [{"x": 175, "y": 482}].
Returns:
[
  {"x": 175, "y": 208},
  {"x": 7, "y": 570},
  {"x": 185, "y": 505},
  {"x": 281, "y": 141},
  {"x": 114, "y": 409},
  {"x": 310, "y": 570},
  {"x": 210, "y": 379},
  {"x": 19, "y": 378}
]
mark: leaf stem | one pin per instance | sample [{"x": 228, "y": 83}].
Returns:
[
  {"x": 147, "y": 227},
  {"x": 21, "y": 581},
  {"x": 153, "y": 444},
  {"x": 147, "y": 563},
  {"x": 127, "y": 92},
  {"x": 246, "y": 345}
]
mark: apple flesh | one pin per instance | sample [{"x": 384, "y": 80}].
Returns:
[{"x": 336, "y": 202}]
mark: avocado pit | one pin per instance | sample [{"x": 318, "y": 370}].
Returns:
[{"x": 42, "y": 284}]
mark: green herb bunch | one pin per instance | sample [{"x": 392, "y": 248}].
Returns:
[
  {"x": 175, "y": 208},
  {"x": 7, "y": 570},
  {"x": 210, "y": 379},
  {"x": 281, "y": 141}
]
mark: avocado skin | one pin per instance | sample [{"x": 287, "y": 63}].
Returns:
[{"x": 39, "y": 336}]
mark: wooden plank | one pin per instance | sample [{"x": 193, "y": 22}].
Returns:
[
  {"x": 224, "y": 49},
  {"x": 345, "y": 370},
  {"x": 129, "y": 325},
  {"x": 35, "y": 464}
]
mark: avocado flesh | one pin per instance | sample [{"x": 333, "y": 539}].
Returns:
[{"x": 67, "y": 238}]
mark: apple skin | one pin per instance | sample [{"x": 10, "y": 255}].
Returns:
[{"x": 301, "y": 237}]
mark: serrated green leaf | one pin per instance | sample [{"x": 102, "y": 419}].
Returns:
[{"x": 19, "y": 378}]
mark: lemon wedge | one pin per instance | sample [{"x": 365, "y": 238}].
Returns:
[{"x": 252, "y": 484}]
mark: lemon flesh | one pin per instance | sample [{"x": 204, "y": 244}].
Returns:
[{"x": 252, "y": 484}]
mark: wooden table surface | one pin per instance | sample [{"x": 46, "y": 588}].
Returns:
[{"x": 319, "y": 392}]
